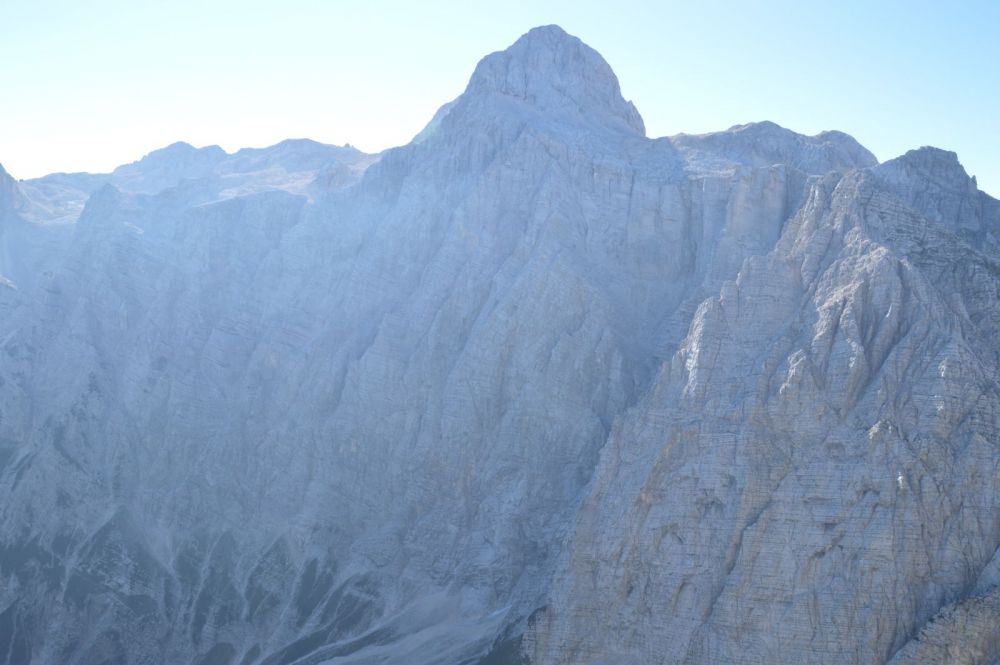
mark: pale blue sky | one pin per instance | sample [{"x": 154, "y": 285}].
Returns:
[{"x": 87, "y": 85}]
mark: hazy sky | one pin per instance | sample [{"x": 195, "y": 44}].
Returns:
[{"x": 90, "y": 84}]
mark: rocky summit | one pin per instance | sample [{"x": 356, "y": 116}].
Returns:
[{"x": 533, "y": 389}]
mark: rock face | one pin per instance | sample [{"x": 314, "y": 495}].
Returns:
[
  {"x": 815, "y": 470},
  {"x": 533, "y": 388}
]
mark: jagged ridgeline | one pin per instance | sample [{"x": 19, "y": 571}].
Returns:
[{"x": 534, "y": 388}]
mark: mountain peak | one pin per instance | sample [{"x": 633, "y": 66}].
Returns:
[
  {"x": 552, "y": 70},
  {"x": 765, "y": 143},
  {"x": 165, "y": 167},
  {"x": 929, "y": 158},
  {"x": 934, "y": 182},
  {"x": 932, "y": 166},
  {"x": 178, "y": 146},
  {"x": 183, "y": 148}
]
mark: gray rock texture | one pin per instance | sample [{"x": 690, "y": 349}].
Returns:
[
  {"x": 814, "y": 471},
  {"x": 533, "y": 388}
]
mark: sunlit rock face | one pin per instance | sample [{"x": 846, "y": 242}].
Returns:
[
  {"x": 532, "y": 389},
  {"x": 814, "y": 470}
]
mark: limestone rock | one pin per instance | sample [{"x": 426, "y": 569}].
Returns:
[{"x": 533, "y": 388}]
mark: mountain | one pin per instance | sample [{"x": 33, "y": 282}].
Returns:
[
  {"x": 209, "y": 174},
  {"x": 534, "y": 388}
]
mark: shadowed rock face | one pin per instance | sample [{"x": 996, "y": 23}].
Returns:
[{"x": 534, "y": 388}]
